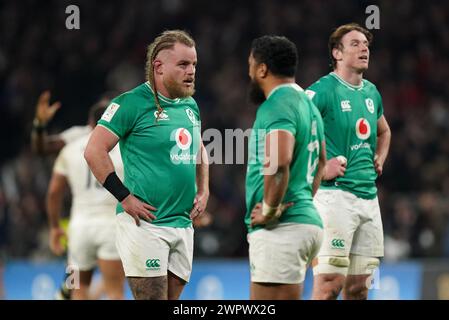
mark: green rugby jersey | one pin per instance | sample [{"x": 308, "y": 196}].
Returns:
[
  {"x": 159, "y": 157},
  {"x": 287, "y": 108},
  {"x": 350, "y": 117}
]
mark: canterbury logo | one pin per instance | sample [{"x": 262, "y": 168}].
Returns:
[
  {"x": 153, "y": 264},
  {"x": 338, "y": 243}
]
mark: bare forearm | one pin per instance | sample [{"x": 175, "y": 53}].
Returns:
[
  {"x": 321, "y": 171},
  {"x": 317, "y": 179},
  {"x": 275, "y": 186},
  {"x": 383, "y": 144},
  {"x": 202, "y": 172},
  {"x": 202, "y": 178},
  {"x": 99, "y": 162},
  {"x": 54, "y": 205},
  {"x": 38, "y": 141},
  {"x": 43, "y": 144}
]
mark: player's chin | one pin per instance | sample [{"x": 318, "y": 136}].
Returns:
[
  {"x": 362, "y": 66},
  {"x": 188, "y": 90}
]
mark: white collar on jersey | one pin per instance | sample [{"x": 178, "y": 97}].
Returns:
[
  {"x": 345, "y": 83},
  {"x": 162, "y": 97},
  {"x": 292, "y": 85}
]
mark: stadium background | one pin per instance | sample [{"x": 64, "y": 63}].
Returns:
[{"x": 408, "y": 64}]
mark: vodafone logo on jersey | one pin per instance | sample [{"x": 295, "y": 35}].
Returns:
[
  {"x": 362, "y": 129},
  {"x": 183, "y": 138}
]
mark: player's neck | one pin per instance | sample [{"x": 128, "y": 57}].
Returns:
[
  {"x": 275, "y": 82},
  {"x": 161, "y": 89},
  {"x": 350, "y": 76}
]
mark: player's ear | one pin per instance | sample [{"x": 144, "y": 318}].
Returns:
[
  {"x": 337, "y": 54},
  {"x": 262, "y": 70},
  {"x": 157, "y": 66}
]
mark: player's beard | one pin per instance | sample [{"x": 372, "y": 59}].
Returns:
[
  {"x": 256, "y": 94},
  {"x": 176, "y": 90}
]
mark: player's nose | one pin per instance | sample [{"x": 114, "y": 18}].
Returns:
[{"x": 191, "y": 69}]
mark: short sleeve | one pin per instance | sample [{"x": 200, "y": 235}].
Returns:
[
  {"x": 318, "y": 97},
  {"x": 60, "y": 166},
  {"x": 120, "y": 117},
  {"x": 279, "y": 119},
  {"x": 74, "y": 133},
  {"x": 380, "y": 106}
]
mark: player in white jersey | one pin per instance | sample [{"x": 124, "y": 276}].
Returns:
[
  {"x": 92, "y": 224},
  {"x": 44, "y": 144}
]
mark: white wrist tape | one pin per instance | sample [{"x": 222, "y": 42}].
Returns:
[{"x": 269, "y": 211}]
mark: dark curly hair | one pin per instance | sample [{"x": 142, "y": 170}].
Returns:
[{"x": 278, "y": 53}]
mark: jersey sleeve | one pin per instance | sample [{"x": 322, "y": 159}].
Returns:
[
  {"x": 120, "y": 116},
  {"x": 380, "y": 106},
  {"x": 278, "y": 117},
  {"x": 195, "y": 107},
  {"x": 318, "y": 97},
  {"x": 74, "y": 133},
  {"x": 60, "y": 166}
]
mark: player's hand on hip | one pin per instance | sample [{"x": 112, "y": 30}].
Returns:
[
  {"x": 44, "y": 111},
  {"x": 56, "y": 235},
  {"x": 257, "y": 218},
  {"x": 378, "y": 164},
  {"x": 199, "y": 204},
  {"x": 138, "y": 209},
  {"x": 335, "y": 167},
  {"x": 256, "y": 215}
]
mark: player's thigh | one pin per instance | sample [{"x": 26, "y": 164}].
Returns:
[
  {"x": 105, "y": 240},
  {"x": 81, "y": 247},
  {"x": 369, "y": 237},
  {"x": 363, "y": 265},
  {"x": 108, "y": 257},
  {"x": 340, "y": 221},
  {"x": 280, "y": 255},
  {"x": 269, "y": 291},
  {"x": 142, "y": 249},
  {"x": 112, "y": 274},
  {"x": 180, "y": 258},
  {"x": 154, "y": 288},
  {"x": 175, "y": 286}
]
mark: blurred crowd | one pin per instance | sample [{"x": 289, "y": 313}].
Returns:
[{"x": 408, "y": 64}]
